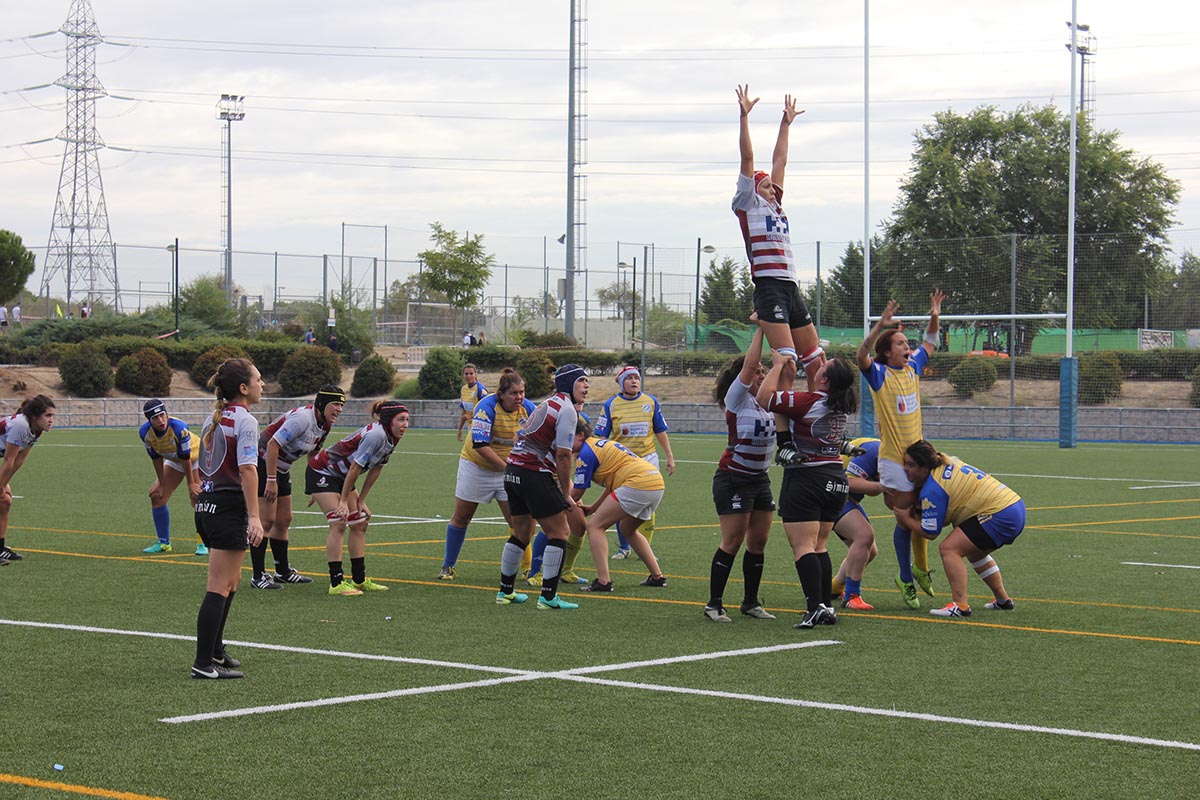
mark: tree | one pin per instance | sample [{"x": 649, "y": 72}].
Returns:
[
  {"x": 459, "y": 268},
  {"x": 203, "y": 299},
  {"x": 723, "y": 295},
  {"x": 16, "y": 265},
  {"x": 1178, "y": 304},
  {"x": 625, "y": 299},
  {"x": 979, "y": 178}
]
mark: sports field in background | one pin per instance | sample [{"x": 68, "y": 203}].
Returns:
[{"x": 1087, "y": 690}]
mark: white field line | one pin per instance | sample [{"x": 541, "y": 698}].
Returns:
[
  {"x": 580, "y": 675},
  {"x": 1148, "y": 564},
  {"x": 886, "y": 712},
  {"x": 1169, "y": 486}
]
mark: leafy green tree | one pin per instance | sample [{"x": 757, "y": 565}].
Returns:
[
  {"x": 457, "y": 267},
  {"x": 203, "y": 299},
  {"x": 990, "y": 173},
  {"x": 1178, "y": 303},
  {"x": 626, "y": 300},
  {"x": 723, "y": 295},
  {"x": 16, "y": 265}
]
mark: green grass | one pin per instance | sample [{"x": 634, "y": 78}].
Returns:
[{"x": 1094, "y": 645}]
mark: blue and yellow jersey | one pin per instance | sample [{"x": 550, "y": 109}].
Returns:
[
  {"x": 493, "y": 427},
  {"x": 633, "y": 423},
  {"x": 897, "y": 392},
  {"x": 468, "y": 396},
  {"x": 956, "y": 492},
  {"x": 864, "y": 466},
  {"x": 614, "y": 465},
  {"x": 176, "y": 443}
]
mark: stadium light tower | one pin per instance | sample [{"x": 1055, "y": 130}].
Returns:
[
  {"x": 1085, "y": 48},
  {"x": 230, "y": 109}
]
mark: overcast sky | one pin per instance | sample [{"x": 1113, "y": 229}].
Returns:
[{"x": 402, "y": 113}]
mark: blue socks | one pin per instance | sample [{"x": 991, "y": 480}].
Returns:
[
  {"x": 902, "y": 540},
  {"x": 622, "y": 542},
  {"x": 162, "y": 523},
  {"x": 539, "y": 549},
  {"x": 454, "y": 544},
  {"x": 853, "y": 587}
]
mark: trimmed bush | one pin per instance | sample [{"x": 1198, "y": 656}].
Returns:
[
  {"x": 408, "y": 389},
  {"x": 374, "y": 376},
  {"x": 308, "y": 369},
  {"x": 145, "y": 373},
  {"x": 1194, "y": 397},
  {"x": 1099, "y": 378},
  {"x": 85, "y": 371},
  {"x": 441, "y": 376},
  {"x": 205, "y": 365},
  {"x": 537, "y": 369},
  {"x": 972, "y": 375}
]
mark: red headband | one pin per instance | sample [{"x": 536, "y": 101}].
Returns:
[{"x": 759, "y": 177}]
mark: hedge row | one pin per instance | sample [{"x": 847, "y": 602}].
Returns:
[{"x": 267, "y": 356}]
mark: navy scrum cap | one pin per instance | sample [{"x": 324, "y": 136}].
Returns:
[
  {"x": 153, "y": 408},
  {"x": 565, "y": 377}
]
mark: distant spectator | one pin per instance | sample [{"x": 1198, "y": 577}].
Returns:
[
  {"x": 468, "y": 339},
  {"x": 85, "y": 311},
  {"x": 309, "y": 336},
  {"x": 481, "y": 340},
  {"x": 333, "y": 341},
  {"x": 16, "y": 314},
  {"x": 3, "y": 320}
]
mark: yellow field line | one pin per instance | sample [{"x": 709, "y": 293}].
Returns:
[
  {"x": 90, "y": 791},
  {"x": 1070, "y": 529},
  {"x": 1118, "y": 521},
  {"x": 1112, "y": 505}
]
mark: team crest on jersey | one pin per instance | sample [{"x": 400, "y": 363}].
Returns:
[{"x": 647, "y": 408}]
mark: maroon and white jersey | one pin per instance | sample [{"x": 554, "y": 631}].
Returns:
[
  {"x": 751, "y": 433},
  {"x": 816, "y": 431},
  {"x": 369, "y": 447},
  {"x": 296, "y": 432},
  {"x": 765, "y": 232},
  {"x": 15, "y": 431},
  {"x": 551, "y": 426},
  {"x": 233, "y": 443}
]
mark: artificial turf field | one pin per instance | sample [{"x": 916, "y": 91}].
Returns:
[{"x": 1087, "y": 690}]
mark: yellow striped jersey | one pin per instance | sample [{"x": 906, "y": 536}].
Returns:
[
  {"x": 632, "y": 421},
  {"x": 897, "y": 393},
  {"x": 468, "y": 396},
  {"x": 614, "y": 465},
  {"x": 955, "y": 492},
  {"x": 496, "y": 428},
  {"x": 177, "y": 443}
]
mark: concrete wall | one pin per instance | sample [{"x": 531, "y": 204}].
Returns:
[{"x": 1159, "y": 425}]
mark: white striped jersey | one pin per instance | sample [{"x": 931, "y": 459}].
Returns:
[
  {"x": 751, "y": 440},
  {"x": 551, "y": 426},
  {"x": 15, "y": 431},
  {"x": 232, "y": 444},
  {"x": 816, "y": 431},
  {"x": 296, "y": 432},
  {"x": 369, "y": 447},
  {"x": 765, "y": 232}
]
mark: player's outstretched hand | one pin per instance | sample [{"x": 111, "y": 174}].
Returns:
[
  {"x": 789, "y": 109},
  {"x": 744, "y": 101}
]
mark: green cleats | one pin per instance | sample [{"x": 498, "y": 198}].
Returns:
[
  {"x": 344, "y": 589},
  {"x": 555, "y": 603},
  {"x": 570, "y": 578},
  {"x": 924, "y": 580},
  {"x": 369, "y": 585},
  {"x": 535, "y": 580},
  {"x": 158, "y": 547},
  {"x": 516, "y": 598},
  {"x": 909, "y": 592}
]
